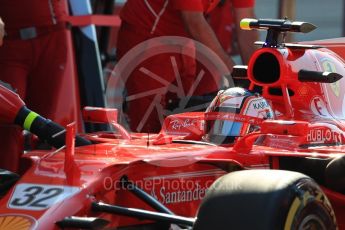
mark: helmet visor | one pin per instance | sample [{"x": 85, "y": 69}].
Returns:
[{"x": 225, "y": 128}]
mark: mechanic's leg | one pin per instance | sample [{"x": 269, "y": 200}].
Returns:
[
  {"x": 15, "y": 64},
  {"x": 144, "y": 115},
  {"x": 15, "y": 61},
  {"x": 147, "y": 87},
  {"x": 45, "y": 91},
  {"x": 143, "y": 102}
]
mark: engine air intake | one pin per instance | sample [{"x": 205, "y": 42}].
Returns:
[{"x": 266, "y": 69}]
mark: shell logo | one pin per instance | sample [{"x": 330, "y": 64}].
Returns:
[{"x": 16, "y": 222}]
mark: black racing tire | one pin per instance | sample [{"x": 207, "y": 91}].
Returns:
[{"x": 267, "y": 200}]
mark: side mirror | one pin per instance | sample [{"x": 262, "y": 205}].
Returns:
[
  {"x": 281, "y": 127},
  {"x": 100, "y": 115}
]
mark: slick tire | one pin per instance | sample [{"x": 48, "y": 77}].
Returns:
[{"x": 267, "y": 200}]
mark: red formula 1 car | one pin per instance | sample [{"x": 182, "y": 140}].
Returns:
[{"x": 174, "y": 179}]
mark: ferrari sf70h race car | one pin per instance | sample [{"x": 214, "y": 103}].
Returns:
[{"x": 287, "y": 173}]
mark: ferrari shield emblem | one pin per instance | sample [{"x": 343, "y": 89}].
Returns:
[
  {"x": 330, "y": 67},
  {"x": 336, "y": 88}
]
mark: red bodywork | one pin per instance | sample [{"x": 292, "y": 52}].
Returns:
[{"x": 173, "y": 166}]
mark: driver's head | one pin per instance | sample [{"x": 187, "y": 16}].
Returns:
[{"x": 233, "y": 113}]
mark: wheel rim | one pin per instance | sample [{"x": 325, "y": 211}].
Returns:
[{"x": 312, "y": 222}]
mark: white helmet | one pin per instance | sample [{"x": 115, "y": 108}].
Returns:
[{"x": 233, "y": 113}]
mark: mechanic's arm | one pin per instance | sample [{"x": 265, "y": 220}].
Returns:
[
  {"x": 245, "y": 38},
  {"x": 2, "y": 31},
  {"x": 201, "y": 31}
]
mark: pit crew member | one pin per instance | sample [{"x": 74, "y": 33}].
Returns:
[
  {"x": 225, "y": 20},
  {"x": 32, "y": 56},
  {"x": 146, "y": 19}
]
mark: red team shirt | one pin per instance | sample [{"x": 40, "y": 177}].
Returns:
[
  {"x": 166, "y": 14},
  {"x": 20, "y": 14},
  {"x": 35, "y": 67},
  {"x": 152, "y": 18},
  {"x": 222, "y": 22}
]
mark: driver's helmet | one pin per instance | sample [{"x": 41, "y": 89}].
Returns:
[{"x": 234, "y": 113}]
